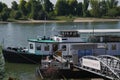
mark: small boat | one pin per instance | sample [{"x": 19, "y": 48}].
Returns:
[
  {"x": 38, "y": 48},
  {"x": 67, "y": 43}
]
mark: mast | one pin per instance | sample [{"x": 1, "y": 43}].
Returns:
[
  {"x": 93, "y": 41},
  {"x": 45, "y": 27}
]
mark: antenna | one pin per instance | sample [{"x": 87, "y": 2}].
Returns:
[{"x": 93, "y": 42}]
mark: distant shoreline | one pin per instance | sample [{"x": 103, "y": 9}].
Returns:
[
  {"x": 61, "y": 21},
  {"x": 95, "y": 20}
]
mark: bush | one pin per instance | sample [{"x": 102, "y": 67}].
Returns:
[
  {"x": 112, "y": 12},
  {"x": 16, "y": 14}
]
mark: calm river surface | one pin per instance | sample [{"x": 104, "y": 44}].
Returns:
[{"x": 17, "y": 34}]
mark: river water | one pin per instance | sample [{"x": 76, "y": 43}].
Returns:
[{"x": 17, "y": 34}]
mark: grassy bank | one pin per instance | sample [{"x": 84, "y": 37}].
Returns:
[{"x": 63, "y": 19}]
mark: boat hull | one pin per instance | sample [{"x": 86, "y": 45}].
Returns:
[
  {"x": 21, "y": 57},
  {"x": 65, "y": 74}
]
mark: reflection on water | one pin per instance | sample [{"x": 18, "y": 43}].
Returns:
[{"x": 20, "y": 71}]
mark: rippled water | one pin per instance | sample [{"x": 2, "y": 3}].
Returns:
[{"x": 17, "y": 34}]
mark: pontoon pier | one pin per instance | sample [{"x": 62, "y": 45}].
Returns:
[
  {"x": 88, "y": 54},
  {"x": 103, "y": 66}
]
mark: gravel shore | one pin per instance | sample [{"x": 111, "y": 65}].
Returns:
[{"x": 61, "y": 21}]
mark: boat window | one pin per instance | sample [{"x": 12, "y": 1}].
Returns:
[
  {"x": 55, "y": 47},
  {"x": 38, "y": 47},
  {"x": 46, "y": 48},
  {"x": 64, "y": 47},
  {"x": 106, "y": 47},
  {"x": 113, "y": 46},
  {"x": 70, "y": 34},
  {"x": 31, "y": 46}
]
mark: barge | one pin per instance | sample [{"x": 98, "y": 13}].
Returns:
[{"x": 67, "y": 43}]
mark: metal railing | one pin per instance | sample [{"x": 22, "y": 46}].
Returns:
[{"x": 109, "y": 66}]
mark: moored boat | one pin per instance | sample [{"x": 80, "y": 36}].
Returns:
[
  {"x": 69, "y": 43},
  {"x": 38, "y": 48}
]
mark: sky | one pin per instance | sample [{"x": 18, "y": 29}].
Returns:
[{"x": 8, "y": 2}]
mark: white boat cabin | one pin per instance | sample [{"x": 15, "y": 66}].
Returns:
[
  {"x": 42, "y": 46},
  {"x": 107, "y": 40},
  {"x": 57, "y": 46},
  {"x": 80, "y": 42}
]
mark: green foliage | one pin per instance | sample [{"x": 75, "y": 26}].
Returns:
[
  {"x": 72, "y": 4},
  {"x": 37, "y": 10},
  {"x": 51, "y": 15},
  {"x": 103, "y": 7},
  {"x": 65, "y": 18},
  {"x": 14, "y": 5},
  {"x": 112, "y": 3},
  {"x": 85, "y": 8},
  {"x": 5, "y": 14},
  {"x": 22, "y": 7},
  {"x": 112, "y": 12},
  {"x": 95, "y": 5},
  {"x": 28, "y": 7},
  {"x": 2, "y": 6},
  {"x": 79, "y": 10},
  {"x": 16, "y": 14},
  {"x": 118, "y": 10},
  {"x": 48, "y": 6},
  {"x": 44, "y": 9},
  {"x": 61, "y": 8}
]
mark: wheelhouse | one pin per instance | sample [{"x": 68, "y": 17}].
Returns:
[{"x": 42, "y": 46}]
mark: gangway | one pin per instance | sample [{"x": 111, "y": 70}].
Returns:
[
  {"x": 104, "y": 65},
  {"x": 59, "y": 58}
]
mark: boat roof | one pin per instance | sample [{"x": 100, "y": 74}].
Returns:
[
  {"x": 42, "y": 41},
  {"x": 94, "y": 30}
]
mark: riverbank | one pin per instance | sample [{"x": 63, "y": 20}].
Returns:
[
  {"x": 94, "y": 20},
  {"x": 61, "y": 21}
]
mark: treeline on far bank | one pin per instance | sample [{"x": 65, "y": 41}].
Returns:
[{"x": 45, "y": 9}]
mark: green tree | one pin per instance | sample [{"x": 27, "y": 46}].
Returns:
[
  {"x": 61, "y": 7},
  {"x": 42, "y": 15},
  {"x": 28, "y": 7},
  {"x": 95, "y": 5},
  {"x": 72, "y": 6},
  {"x": 112, "y": 12},
  {"x": 14, "y": 5},
  {"x": 112, "y": 3},
  {"x": 4, "y": 11},
  {"x": 36, "y": 10},
  {"x": 22, "y": 7},
  {"x": 2, "y": 6},
  {"x": 48, "y": 6},
  {"x": 103, "y": 8},
  {"x": 16, "y": 14},
  {"x": 118, "y": 9},
  {"x": 5, "y": 14},
  {"x": 79, "y": 11},
  {"x": 85, "y": 8}
]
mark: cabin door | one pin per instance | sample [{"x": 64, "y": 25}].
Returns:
[{"x": 55, "y": 47}]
